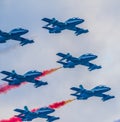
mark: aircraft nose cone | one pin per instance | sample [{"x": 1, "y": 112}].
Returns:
[
  {"x": 51, "y": 109},
  {"x": 31, "y": 41},
  {"x": 94, "y": 56},
  {"x": 82, "y": 20},
  {"x": 25, "y": 30},
  {"x": 109, "y": 88}
]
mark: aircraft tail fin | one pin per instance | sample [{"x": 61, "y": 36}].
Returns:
[
  {"x": 61, "y": 62},
  {"x": 14, "y": 72},
  {"x": 26, "y": 108},
  {"x": 81, "y": 87}
]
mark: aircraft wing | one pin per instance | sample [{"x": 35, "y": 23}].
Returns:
[
  {"x": 106, "y": 97},
  {"x": 37, "y": 83},
  {"x": 23, "y": 41},
  {"x": 52, "y": 118},
  {"x": 77, "y": 30},
  {"x": 91, "y": 66}
]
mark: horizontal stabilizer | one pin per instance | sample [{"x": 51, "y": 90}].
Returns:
[
  {"x": 62, "y": 62},
  {"x": 61, "y": 54},
  {"x": 47, "y": 19},
  {"x": 49, "y": 28},
  {"x": 75, "y": 89},
  {"x": 22, "y": 111},
  {"x": 5, "y": 72}
]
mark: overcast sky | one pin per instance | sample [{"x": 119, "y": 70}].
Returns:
[{"x": 102, "y": 19}]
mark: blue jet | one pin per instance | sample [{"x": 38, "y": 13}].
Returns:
[
  {"x": 15, "y": 79},
  {"x": 98, "y": 91},
  {"x": 68, "y": 61},
  {"x": 15, "y": 34},
  {"x": 27, "y": 115},
  {"x": 69, "y": 24}
]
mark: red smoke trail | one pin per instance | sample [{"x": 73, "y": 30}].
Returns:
[
  {"x": 16, "y": 119},
  {"x": 4, "y": 88},
  {"x": 60, "y": 104},
  {"x": 12, "y": 119},
  {"x": 56, "y": 104},
  {"x": 46, "y": 72},
  {"x": 53, "y": 106}
]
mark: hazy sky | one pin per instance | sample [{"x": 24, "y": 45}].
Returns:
[{"x": 102, "y": 19}]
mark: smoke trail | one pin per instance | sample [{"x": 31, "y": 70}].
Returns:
[
  {"x": 4, "y": 88},
  {"x": 56, "y": 104},
  {"x": 46, "y": 72},
  {"x": 60, "y": 104},
  {"x": 12, "y": 119},
  {"x": 53, "y": 106}
]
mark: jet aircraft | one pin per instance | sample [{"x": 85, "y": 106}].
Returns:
[
  {"x": 98, "y": 91},
  {"x": 15, "y": 34},
  {"x": 69, "y": 24},
  {"x": 71, "y": 62},
  {"x": 15, "y": 79},
  {"x": 27, "y": 115}
]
